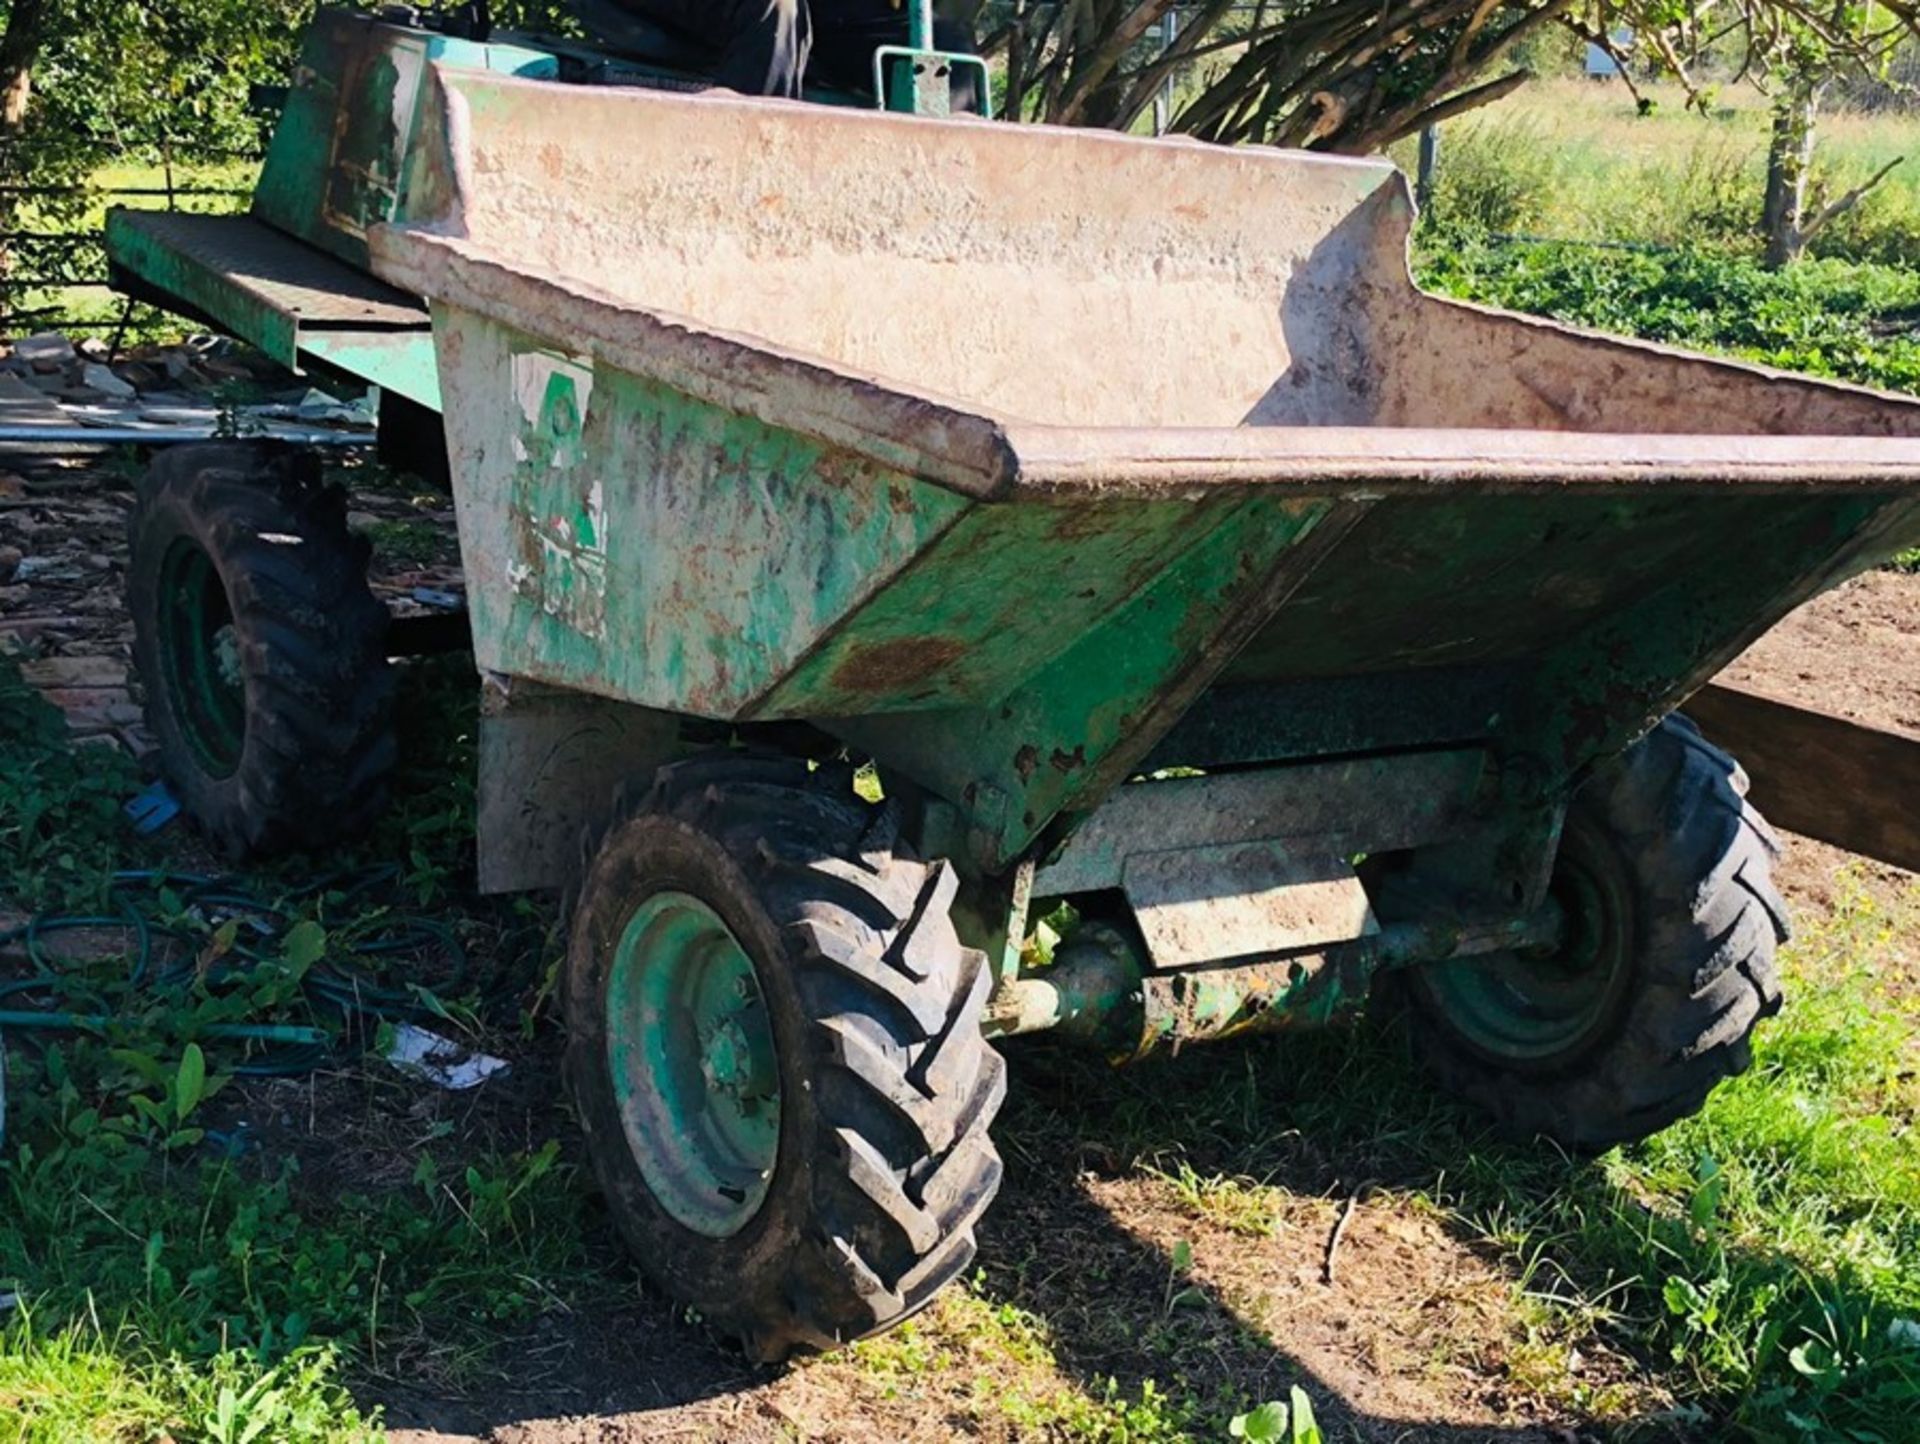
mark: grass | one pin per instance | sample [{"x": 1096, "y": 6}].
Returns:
[
  {"x": 177, "y": 1258},
  {"x": 84, "y": 1387},
  {"x": 1571, "y": 159},
  {"x": 1761, "y": 1261}
]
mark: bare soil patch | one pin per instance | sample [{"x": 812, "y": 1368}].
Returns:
[{"x": 1854, "y": 651}]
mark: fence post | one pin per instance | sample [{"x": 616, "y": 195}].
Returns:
[
  {"x": 1163, "y": 102},
  {"x": 1429, "y": 165}
]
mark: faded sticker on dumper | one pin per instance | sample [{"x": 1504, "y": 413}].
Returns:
[{"x": 558, "y": 508}]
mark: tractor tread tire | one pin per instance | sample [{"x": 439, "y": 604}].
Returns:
[
  {"x": 319, "y": 742},
  {"x": 1699, "y": 860},
  {"x": 903, "y": 1086}
]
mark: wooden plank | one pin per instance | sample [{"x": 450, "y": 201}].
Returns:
[{"x": 1843, "y": 782}]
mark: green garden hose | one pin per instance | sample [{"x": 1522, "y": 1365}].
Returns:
[{"x": 332, "y": 987}]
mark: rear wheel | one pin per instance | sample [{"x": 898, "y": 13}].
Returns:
[
  {"x": 1667, "y": 964},
  {"x": 775, "y": 1049},
  {"x": 259, "y": 647}
]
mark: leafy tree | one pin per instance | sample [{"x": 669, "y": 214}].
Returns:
[
  {"x": 1355, "y": 75},
  {"x": 1802, "y": 56},
  {"x": 82, "y": 82}
]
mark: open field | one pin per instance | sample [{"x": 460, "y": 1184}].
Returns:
[
  {"x": 312, "y": 1253},
  {"x": 1571, "y": 159}
]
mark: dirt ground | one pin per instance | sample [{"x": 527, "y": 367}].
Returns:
[
  {"x": 1854, "y": 651},
  {"x": 1414, "y": 1341}
]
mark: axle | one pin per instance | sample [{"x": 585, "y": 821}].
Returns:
[{"x": 1101, "y": 989}]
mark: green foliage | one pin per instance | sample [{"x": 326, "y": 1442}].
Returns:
[
  {"x": 1825, "y": 318},
  {"x": 147, "y": 78},
  {"x": 1569, "y": 160},
  {"x": 1275, "y": 1423},
  {"x": 195, "y": 1254},
  {"x": 1782, "y": 1248},
  {"x": 60, "y": 823},
  {"x": 1494, "y": 176},
  {"x": 175, "y": 1277},
  {"x": 76, "y": 1385}
]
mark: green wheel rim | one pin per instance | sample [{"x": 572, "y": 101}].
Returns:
[
  {"x": 200, "y": 658},
  {"x": 1543, "y": 1008},
  {"x": 691, "y": 1053}
]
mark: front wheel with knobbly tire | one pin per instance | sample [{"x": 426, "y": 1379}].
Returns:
[
  {"x": 1666, "y": 965},
  {"x": 775, "y": 1050},
  {"x": 259, "y": 646}
]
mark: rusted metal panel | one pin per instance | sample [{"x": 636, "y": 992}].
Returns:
[
  {"x": 1234, "y": 722},
  {"x": 1080, "y": 725},
  {"x": 342, "y": 156},
  {"x": 309, "y": 286},
  {"x": 1243, "y": 899},
  {"x": 1855, "y": 786},
  {"x": 295, "y": 303},
  {"x": 1606, "y": 683},
  {"x": 1347, "y": 805}
]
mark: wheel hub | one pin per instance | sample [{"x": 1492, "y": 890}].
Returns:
[
  {"x": 691, "y": 1052},
  {"x": 731, "y": 1062},
  {"x": 226, "y": 657},
  {"x": 200, "y": 660},
  {"x": 1541, "y": 1007}
]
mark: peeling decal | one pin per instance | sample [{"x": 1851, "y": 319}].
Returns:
[{"x": 558, "y": 509}]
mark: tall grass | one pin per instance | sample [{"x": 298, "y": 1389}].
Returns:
[{"x": 1573, "y": 160}]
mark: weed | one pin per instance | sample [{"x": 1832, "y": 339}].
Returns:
[
  {"x": 1276, "y": 1423},
  {"x": 78, "y": 1385},
  {"x": 1240, "y": 1205},
  {"x": 61, "y": 831},
  {"x": 407, "y": 541},
  {"x": 1823, "y": 318}
]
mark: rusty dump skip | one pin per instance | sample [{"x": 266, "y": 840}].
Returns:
[{"x": 1060, "y": 308}]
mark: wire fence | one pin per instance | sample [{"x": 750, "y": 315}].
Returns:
[{"x": 50, "y": 271}]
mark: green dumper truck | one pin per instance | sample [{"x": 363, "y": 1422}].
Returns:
[{"x": 1120, "y": 506}]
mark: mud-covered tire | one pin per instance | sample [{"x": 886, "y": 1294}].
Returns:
[
  {"x": 1687, "y": 862},
  {"x": 277, "y": 736},
  {"x": 887, "y": 1087}
]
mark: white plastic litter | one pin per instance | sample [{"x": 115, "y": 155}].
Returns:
[{"x": 441, "y": 1061}]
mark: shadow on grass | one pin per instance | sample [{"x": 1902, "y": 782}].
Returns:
[
  {"x": 1319, "y": 1115},
  {"x": 1054, "y": 1251},
  {"x": 1057, "y": 1251}
]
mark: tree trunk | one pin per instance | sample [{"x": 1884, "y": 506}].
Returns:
[
  {"x": 1789, "y": 162},
  {"x": 19, "y": 48},
  {"x": 27, "y": 23}
]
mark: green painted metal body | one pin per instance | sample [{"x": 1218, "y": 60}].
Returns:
[
  {"x": 343, "y": 156},
  {"x": 713, "y": 487}
]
